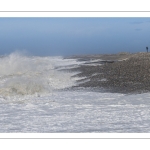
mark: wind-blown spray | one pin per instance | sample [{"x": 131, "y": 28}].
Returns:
[{"x": 26, "y": 75}]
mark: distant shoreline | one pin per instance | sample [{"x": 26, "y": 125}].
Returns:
[{"x": 120, "y": 73}]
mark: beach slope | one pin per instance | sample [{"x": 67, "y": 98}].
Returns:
[{"x": 119, "y": 73}]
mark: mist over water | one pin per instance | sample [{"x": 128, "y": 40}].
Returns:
[{"x": 28, "y": 75}]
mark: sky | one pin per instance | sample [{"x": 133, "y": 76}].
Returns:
[{"x": 74, "y": 36}]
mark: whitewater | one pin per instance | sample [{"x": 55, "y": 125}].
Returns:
[{"x": 36, "y": 97}]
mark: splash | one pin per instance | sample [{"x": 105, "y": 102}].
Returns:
[{"x": 26, "y": 75}]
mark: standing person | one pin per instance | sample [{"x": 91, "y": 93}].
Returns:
[{"x": 147, "y": 49}]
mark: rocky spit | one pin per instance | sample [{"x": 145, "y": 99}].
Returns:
[{"x": 120, "y": 73}]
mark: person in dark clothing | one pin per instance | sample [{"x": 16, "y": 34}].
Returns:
[{"x": 147, "y": 49}]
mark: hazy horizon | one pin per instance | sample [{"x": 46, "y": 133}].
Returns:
[{"x": 74, "y": 36}]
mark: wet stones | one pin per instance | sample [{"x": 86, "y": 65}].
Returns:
[{"x": 131, "y": 75}]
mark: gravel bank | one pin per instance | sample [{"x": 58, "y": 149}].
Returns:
[{"x": 123, "y": 73}]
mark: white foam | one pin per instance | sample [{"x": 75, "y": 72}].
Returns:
[
  {"x": 24, "y": 75},
  {"x": 30, "y": 101},
  {"x": 76, "y": 111}
]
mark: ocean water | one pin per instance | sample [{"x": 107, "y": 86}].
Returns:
[{"x": 35, "y": 97}]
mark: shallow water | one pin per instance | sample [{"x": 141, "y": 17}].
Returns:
[{"x": 34, "y": 98}]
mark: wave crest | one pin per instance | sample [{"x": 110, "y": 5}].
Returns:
[{"x": 26, "y": 75}]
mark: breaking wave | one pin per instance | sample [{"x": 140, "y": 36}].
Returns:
[{"x": 28, "y": 75}]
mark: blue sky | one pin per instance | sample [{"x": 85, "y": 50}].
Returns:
[{"x": 69, "y": 36}]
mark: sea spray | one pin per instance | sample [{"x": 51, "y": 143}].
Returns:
[{"x": 28, "y": 75}]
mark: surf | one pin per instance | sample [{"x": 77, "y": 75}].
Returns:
[{"x": 29, "y": 75}]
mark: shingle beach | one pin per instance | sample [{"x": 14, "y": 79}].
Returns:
[{"x": 119, "y": 73}]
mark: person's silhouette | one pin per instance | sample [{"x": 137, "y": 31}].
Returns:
[{"x": 147, "y": 49}]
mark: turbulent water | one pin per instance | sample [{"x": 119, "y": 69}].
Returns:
[{"x": 35, "y": 96}]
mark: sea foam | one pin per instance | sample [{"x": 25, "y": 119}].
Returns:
[{"x": 27, "y": 75}]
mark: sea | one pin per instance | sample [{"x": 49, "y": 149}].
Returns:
[{"x": 36, "y": 97}]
